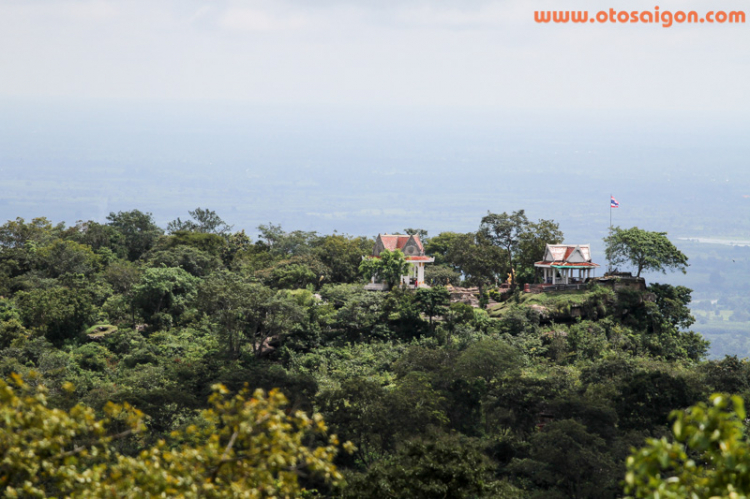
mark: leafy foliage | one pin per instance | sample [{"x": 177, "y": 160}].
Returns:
[
  {"x": 440, "y": 398},
  {"x": 443, "y": 467},
  {"x": 245, "y": 446},
  {"x": 164, "y": 294},
  {"x": 475, "y": 256},
  {"x": 388, "y": 266},
  {"x": 709, "y": 457},
  {"x": 138, "y": 230},
  {"x": 433, "y": 301},
  {"x": 644, "y": 250},
  {"x": 203, "y": 221}
]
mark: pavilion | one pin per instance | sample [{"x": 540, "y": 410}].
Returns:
[
  {"x": 413, "y": 251},
  {"x": 566, "y": 264}
]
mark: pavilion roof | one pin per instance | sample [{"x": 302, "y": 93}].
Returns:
[
  {"x": 398, "y": 241},
  {"x": 566, "y": 265},
  {"x": 567, "y": 256}
]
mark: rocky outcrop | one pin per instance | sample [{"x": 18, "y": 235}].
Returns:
[{"x": 470, "y": 296}]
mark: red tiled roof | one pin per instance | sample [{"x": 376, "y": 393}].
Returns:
[
  {"x": 394, "y": 241},
  {"x": 563, "y": 252},
  {"x": 568, "y": 264},
  {"x": 412, "y": 258},
  {"x": 398, "y": 241}
]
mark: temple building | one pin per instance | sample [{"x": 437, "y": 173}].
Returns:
[
  {"x": 566, "y": 264},
  {"x": 412, "y": 249}
]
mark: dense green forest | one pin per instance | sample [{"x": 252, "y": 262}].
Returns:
[{"x": 527, "y": 395}]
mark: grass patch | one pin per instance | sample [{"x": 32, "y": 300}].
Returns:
[
  {"x": 100, "y": 330},
  {"x": 555, "y": 302}
]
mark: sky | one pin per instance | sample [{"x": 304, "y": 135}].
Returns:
[
  {"x": 327, "y": 114},
  {"x": 372, "y": 53},
  {"x": 367, "y": 116}
]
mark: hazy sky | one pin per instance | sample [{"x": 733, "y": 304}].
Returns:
[{"x": 371, "y": 52}]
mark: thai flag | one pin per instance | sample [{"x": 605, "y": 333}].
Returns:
[{"x": 613, "y": 202}]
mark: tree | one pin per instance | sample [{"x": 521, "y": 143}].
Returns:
[
  {"x": 488, "y": 359},
  {"x": 214, "y": 244},
  {"x": 647, "y": 398},
  {"x": 389, "y": 267},
  {"x": 204, "y": 221},
  {"x": 235, "y": 244},
  {"x": 358, "y": 316},
  {"x": 195, "y": 261},
  {"x": 477, "y": 258},
  {"x": 440, "y": 245},
  {"x": 420, "y": 233},
  {"x": 660, "y": 324},
  {"x": 59, "y": 313},
  {"x": 532, "y": 244},
  {"x": 729, "y": 374},
  {"x": 441, "y": 275},
  {"x": 19, "y": 241},
  {"x": 293, "y": 275},
  {"x": 673, "y": 303},
  {"x": 19, "y": 234},
  {"x": 357, "y": 410},
  {"x": 247, "y": 312},
  {"x": 247, "y": 445},
  {"x": 445, "y": 466},
  {"x": 166, "y": 290},
  {"x": 505, "y": 231},
  {"x": 565, "y": 456},
  {"x": 343, "y": 254},
  {"x": 458, "y": 313},
  {"x": 709, "y": 456},
  {"x": 645, "y": 250},
  {"x": 67, "y": 257},
  {"x": 98, "y": 236},
  {"x": 433, "y": 301},
  {"x": 138, "y": 229},
  {"x": 286, "y": 244}
]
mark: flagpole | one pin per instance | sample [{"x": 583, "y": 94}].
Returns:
[{"x": 609, "y": 264}]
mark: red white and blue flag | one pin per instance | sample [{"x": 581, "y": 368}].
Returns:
[{"x": 613, "y": 202}]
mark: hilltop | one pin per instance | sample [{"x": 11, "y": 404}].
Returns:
[{"x": 492, "y": 400}]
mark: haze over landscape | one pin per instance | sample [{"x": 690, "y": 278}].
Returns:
[
  {"x": 190, "y": 187},
  {"x": 366, "y": 117}
]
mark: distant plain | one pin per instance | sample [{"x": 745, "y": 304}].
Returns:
[{"x": 364, "y": 171}]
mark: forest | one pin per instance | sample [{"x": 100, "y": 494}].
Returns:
[{"x": 194, "y": 361}]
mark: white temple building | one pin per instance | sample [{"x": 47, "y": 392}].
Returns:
[
  {"x": 413, "y": 251},
  {"x": 566, "y": 264}
]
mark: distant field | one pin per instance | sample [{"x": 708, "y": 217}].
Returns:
[
  {"x": 714, "y": 318},
  {"x": 377, "y": 171},
  {"x": 727, "y": 338}
]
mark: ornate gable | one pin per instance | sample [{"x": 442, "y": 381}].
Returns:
[
  {"x": 567, "y": 254},
  {"x": 413, "y": 247},
  {"x": 409, "y": 245}
]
